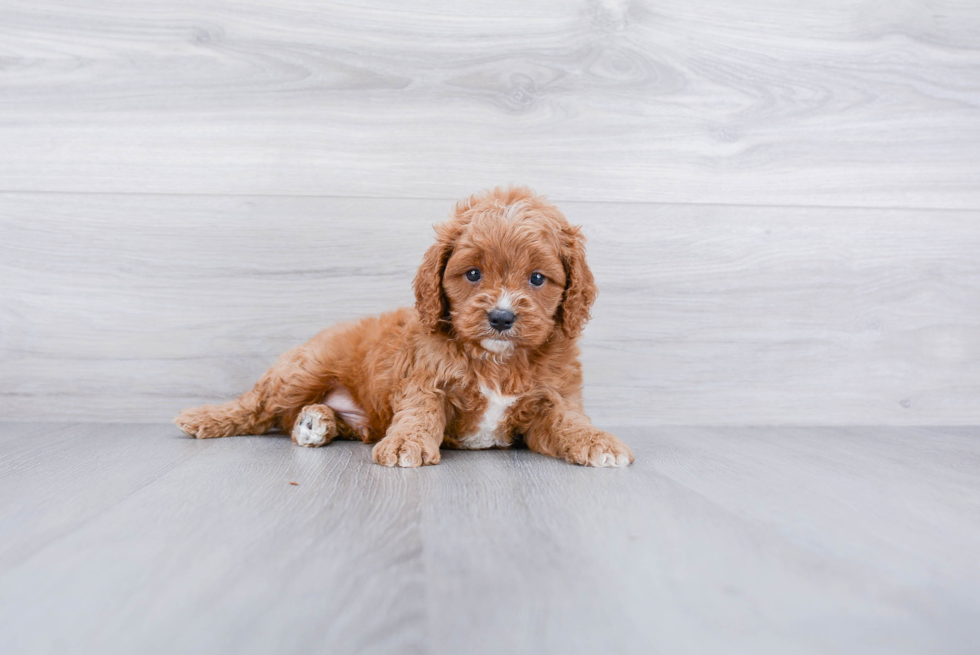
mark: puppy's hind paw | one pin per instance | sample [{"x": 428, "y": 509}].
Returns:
[
  {"x": 315, "y": 426},
  {"x": 201, "y": 423}
]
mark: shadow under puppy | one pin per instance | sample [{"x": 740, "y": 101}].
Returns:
[{"x": 488, "y": 354}]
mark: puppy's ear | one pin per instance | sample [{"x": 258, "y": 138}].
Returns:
[
  {"x": 580, "y": 288},
  {"x": 430, "y": 298}
]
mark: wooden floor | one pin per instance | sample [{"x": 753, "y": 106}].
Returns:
[{"x": 135, "y": 539}]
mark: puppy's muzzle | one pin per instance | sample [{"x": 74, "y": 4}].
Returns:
[{"x": 501, "y": 320}]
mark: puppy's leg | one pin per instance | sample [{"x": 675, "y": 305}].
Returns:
[
  {"x": 315, "y": 426},
  {"x": 560, "y": 428},
  {"x": 296, "y": 380},
  {"x": 415, "y": 433},
  {"x": 242, "y": 416}
]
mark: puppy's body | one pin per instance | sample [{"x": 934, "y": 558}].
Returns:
[{"x": 477, "y": 363}]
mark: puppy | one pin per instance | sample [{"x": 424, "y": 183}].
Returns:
[{"x": 486, "y": 357}]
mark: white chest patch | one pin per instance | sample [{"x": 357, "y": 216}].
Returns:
[{"x": 489, "y": 432}]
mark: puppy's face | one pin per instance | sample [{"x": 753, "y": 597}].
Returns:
[
  {"x": 504, "y": 282},
  {"x": 506, "y": 272}
]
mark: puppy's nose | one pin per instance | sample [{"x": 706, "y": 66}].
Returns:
[{"x": 501, "y": 319}]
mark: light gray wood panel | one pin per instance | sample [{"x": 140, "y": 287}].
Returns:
[
  {"x": 838, "y": 103},
  {"x": 727, "y": 540},
  {"x": 91, "y": 479},
  {"x": 218, "y": 554},
  {"x": 717, "y": 540},
  {"x": 126, "y": 308}
]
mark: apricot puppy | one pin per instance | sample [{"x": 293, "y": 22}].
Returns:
[{"x": 487, "y": 355}]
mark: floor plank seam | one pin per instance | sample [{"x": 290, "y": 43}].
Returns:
[{"x": 490, "y": 183}]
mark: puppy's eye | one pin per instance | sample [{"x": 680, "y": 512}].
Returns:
[
  {"x": 537, "y": 279},
  {"x": 473, "y": 275}
]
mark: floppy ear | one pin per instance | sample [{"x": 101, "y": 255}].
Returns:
[
  {"x": 580, "y": 289},
  {"x": 430, "y": 298}
]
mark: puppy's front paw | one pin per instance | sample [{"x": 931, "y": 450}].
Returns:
[
  {"x": 405, "y": 451},
  {"x": 315, "y": 426},
  {"x": 601, "y": 449}
]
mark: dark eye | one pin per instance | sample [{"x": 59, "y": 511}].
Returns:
[
  {"x": 537, "y": 279},
  {"x": 473, "y": 275}
]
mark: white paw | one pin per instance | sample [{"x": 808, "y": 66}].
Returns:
[
  {"x": 610, "y": 460},
  {"x": 310, "y": 430}
]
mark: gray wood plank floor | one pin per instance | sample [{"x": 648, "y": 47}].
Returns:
[{"x": 125, "y": 539}]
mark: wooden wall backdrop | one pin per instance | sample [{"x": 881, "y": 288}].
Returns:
[{"x": 782, "y": 198}]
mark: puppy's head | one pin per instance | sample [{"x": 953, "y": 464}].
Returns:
[{"x": 506, "y": 271}]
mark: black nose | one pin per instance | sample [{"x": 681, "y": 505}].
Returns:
[{"x": 501, "y": 319}]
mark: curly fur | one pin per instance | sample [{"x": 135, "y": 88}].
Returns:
[{"x": 412, "y": 381}]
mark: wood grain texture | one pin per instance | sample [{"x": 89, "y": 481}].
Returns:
[
  {"x": 836, "y": 103},
  {"x": 724, "y": 540},
  {"x": 212, "y": 552},
  {"x": 129, "y": 308}
]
